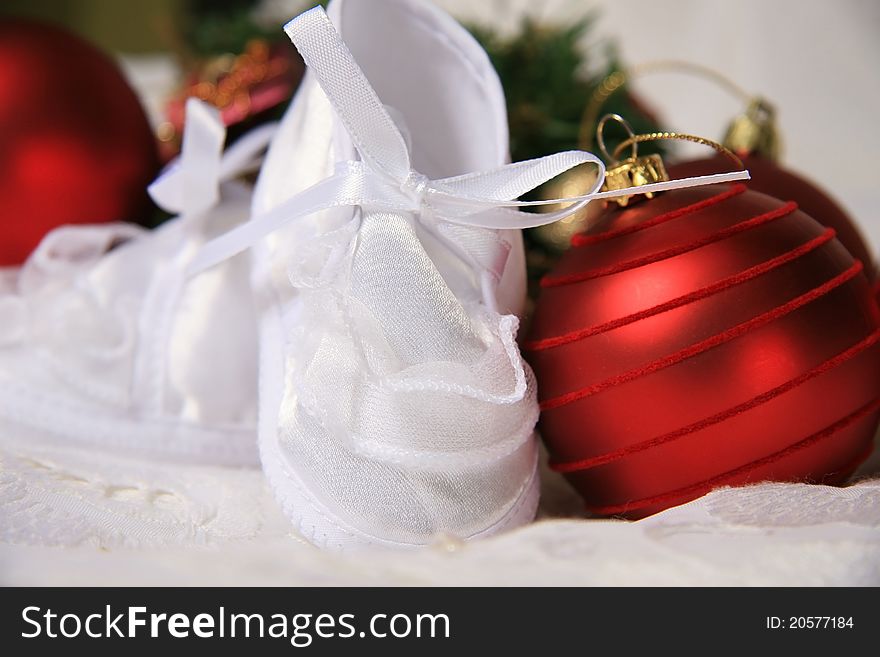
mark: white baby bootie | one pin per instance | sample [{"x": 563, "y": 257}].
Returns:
[
  {"x": 394, "y": 403},
  {"x": 104, "y": 342}
]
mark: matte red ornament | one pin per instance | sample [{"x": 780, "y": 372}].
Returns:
[
  {"x": 710, "y": 336},
  {"x": 771, "y": 178},
  {"x": 75, "y": 145}
]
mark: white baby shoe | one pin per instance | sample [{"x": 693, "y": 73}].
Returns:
[
  {"x": 394, "y": 404},
  {"x": 104, "y": 342}
]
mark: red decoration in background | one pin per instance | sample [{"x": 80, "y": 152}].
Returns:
[
  {"x": 75, "y": 144},
  {"x": 711, "y": 336},
  {"x": 770, "y": 178},
  {"x": 244, "y": 87}
]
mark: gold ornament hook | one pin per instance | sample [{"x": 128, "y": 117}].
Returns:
[
  {"x": 678, "y": 136},
  {"x": 600, "y": 137},
  {"x": 693, "y": 68},
  {"x": 632, "y": 171},
  {"x": 616, "y": 80}
]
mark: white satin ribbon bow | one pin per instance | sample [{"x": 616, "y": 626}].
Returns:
[
  {"x": 384, "y": 180},
  {"x": 191, "y": 183}
]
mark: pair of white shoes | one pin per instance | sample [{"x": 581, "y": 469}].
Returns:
[
  {"x": 350, "y": 324},
  {"x": 375, "y": 344}
]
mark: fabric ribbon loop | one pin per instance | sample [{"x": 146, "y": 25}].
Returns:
[{"x": 191, "y": 184}]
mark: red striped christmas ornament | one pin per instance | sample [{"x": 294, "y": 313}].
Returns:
[{"x": 711, "y": 336}]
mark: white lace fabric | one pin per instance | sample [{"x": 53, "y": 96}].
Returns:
[
  {"x": 67, "y": 498},
  {"x": 72, "y": 521}
]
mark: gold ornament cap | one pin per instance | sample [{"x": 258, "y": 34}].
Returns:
[
  {"x": 635, "y": 170},
  {"x": 755, "y": 131}
]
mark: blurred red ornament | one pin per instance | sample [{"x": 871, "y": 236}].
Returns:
[
  {"x": 76, "y": 145},
  {"x": 711, "y": 336}
]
